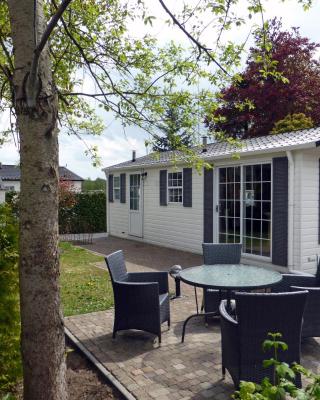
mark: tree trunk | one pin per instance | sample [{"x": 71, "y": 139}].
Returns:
[{"x": 42, "y": 338}]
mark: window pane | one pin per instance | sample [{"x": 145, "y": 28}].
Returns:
[
  {"x": 247, "y": 230},
  {"x": 237, "y": 239},
  {"x": 265, "y": 244},
  {"x": 237, "y": 226},
  {"x": 222, "y": 191},
  {"x": 266, "y": 230},
  {"x": 256, "y": 212},
  {"x": 230, "y": 191},
  {"x": 222, "y": 238},
  {"x": 230, "y": 174},
  {"x": 266, "y": 191},
  {"x": 256, "y": 228},
  {"x": 222, "y": 208},
  {"x": 222, "y": 175},
  {"x": 237, "y": 174},
  {"x": 266, "y": 172},
  {"x": 117, "y": 194},
  {"x": 247, "y": 245},
  {"x": 237, "y": 190},
  {"x": 230, "y": 225},
  {"x": 257, "y": 191},
  {"x": 248, "y": 173},
  {"x": 256, "y": 246},
  {"x": 230, "y": 209},
  {"x": 256, "y": 173},
  {"x": 237, "y": 209},
  {"x": 222, "y": 225},
  {"x": 266, "y": 210}
]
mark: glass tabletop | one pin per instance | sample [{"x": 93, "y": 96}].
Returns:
[{"x": 230, "y": 276}]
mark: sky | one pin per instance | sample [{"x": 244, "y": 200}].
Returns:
[{"x": 116, "y": 144}]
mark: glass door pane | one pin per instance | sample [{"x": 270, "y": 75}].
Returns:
[
  {"x": 257, "y": 209},
  {"x": 229, "y": 204},
  {"x": 135, "y": 192}
]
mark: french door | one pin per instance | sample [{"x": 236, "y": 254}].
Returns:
[{"x": 244, "y": 209}]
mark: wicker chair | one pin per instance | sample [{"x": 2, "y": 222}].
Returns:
[
  {"x": 141, "y": 299},
  {"x": 258, "y": 314},
  {"x": 311, "y": 316},
  {"x": 214, "y": 253}
]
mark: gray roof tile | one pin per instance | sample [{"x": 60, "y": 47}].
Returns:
[
  {"x": 222, "y": 149},
  {"x": 12, "y": 173}
]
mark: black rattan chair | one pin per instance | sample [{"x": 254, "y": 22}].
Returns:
[
  {"x": 141, "y": 299},
  {"x": 256, "y": 315},
  {"x": 214, "y": 253},
  {"x": 311, "y": 316}
]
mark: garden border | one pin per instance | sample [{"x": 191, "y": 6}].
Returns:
[{"x": 97, "y": 364}]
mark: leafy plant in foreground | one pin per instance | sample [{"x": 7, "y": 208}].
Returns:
[{"x": 283, "y": 385}]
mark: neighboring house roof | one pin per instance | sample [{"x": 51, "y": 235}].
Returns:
[
  {"x": 263, "y": 144},
  {"x": 12, "y": 173}
]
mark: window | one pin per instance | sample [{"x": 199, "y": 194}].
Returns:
[
  {"x": 116, "y": 187},
  {"x": 175, "y": 186},
  {"x": 257, "y": 209},
  {"x": 134, "y": 192},
  {"x": 245, "y": 207}
]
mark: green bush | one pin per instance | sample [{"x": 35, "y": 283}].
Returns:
[
  {"x": 86, "y": 215},
  {"x": 10, "y": 364},
  {"x": 283, "y": 386}
]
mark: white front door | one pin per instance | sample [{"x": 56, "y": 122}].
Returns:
[{"x": 135, "y": 205}]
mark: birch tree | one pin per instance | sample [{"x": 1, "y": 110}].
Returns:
[{"x": 47, "y": 50}]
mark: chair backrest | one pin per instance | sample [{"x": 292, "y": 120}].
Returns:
[
  {"x": 221, "y": 253},
  {"x": 117, "y": 266},
  {"x": 260, "y": 313}
]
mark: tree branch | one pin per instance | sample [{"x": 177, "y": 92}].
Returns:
[
  {"x": 32, "y": 83},
  {"x": 193, "y": 40}
]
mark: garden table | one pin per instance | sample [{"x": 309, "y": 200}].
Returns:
[{"x": 227, "y": 277}]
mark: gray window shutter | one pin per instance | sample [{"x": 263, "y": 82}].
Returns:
[
  {"x": 280, "y": 211},
  {"x": 208, "y": 206},
  {"x": 122, "y": 188},
  {"x": 110, "y": 188},
  {"x": 163, "y": 187},
  {"x": 187, "y": 187}
]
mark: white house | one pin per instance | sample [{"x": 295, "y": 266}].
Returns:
[
  {"x": 10, "y": 177},
  {"x": 267, "y": 199}
]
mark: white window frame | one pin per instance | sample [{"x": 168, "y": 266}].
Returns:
[
  {"x": 174, "y": 187},
  {"x": 242, "y": 165},
  {"x": 116, "y": 188}
]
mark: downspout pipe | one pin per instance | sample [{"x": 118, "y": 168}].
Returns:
[
  {"x": 290, "y": 209},
  {"x": 107, "y": 204}
]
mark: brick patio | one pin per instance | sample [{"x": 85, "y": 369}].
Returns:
[{"x": 174, "y": 370}]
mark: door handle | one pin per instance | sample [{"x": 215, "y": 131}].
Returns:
[{"x": 217, "y": 208}]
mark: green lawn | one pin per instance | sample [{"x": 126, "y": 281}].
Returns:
[{"x": 84, "y": 287}]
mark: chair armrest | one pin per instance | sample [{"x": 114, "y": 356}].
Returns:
[
  {"x": 225, "y": 315},
  {"x": 160, "y": 277}
]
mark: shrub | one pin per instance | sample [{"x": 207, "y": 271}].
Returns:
[
  {"x": 284, "y": 378},
  {"x": 86, "y": 215},
  {"x": 10, "y": 365},
  {"x": 292, "y": 122}
]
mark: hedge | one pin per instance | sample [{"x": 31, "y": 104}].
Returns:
[
  {"x": 87, "y": 215},
  {"x": 10, "y": 365}
]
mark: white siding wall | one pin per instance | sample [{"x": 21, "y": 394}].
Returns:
[
  {"x": 309, "y": 210},
  {"x": 173, "y": 225},
  {"x": 15, "y": 184},
  {"x": 182, "y": 227}
]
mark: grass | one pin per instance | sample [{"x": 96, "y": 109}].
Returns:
[{"x": 84, "y": 287}]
